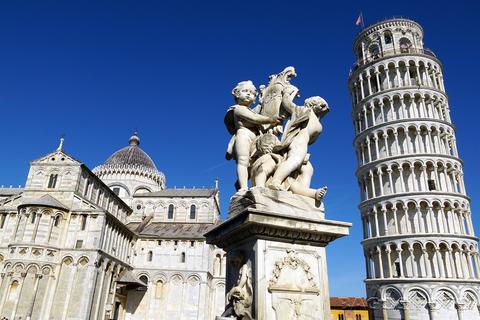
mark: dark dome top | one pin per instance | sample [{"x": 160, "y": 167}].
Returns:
[{"x": 131, "y": 155}]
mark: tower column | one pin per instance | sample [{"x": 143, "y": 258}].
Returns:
[{"x": 388, "y": 251}]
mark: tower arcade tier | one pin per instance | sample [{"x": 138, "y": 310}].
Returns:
[{"x": 420, "y": 250}]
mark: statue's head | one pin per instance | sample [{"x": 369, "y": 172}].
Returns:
[
  {"x": 318, "y": 105},
  {"x": 266, "y": 142},
  {"x": 245, "y": 93}
]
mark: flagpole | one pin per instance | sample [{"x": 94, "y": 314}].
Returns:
[{"x": 363, "y": 22}]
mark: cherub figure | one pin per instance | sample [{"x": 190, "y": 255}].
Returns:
[
  {"x": 240, "y": 297},
  {"x": 244, "y": 124},
  {"x": 301, "y": 130},
  {"x": 266, "y": 162}
]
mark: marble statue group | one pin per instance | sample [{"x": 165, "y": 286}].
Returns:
[
  {"x": 276, "y": 231},
  {"x": 270, "y": 141}
]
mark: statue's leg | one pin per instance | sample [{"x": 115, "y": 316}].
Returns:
[
  {"x": 296, "y": 156},
  {"x": 242, "y": 150},
  {"x": 242, "y": 172},
  {"x": 305, "y": 176},
  {"x": 263, "y": 173},
  {"x": 259, "y": 180},
  {"x": 298, "y": 188}
]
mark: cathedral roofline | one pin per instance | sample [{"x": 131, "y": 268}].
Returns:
[
  {"x": 100, "y": 181},
  {"x": 186, "y": 193},
  {"x": 44, "y": 201}
]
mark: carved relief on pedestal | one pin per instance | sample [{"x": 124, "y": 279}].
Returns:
[
  {"x": 294, "y": 289},
  {"x": 240, "y": 297}
]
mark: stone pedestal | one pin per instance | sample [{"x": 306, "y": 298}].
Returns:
[{"x": 284, "y": 249}]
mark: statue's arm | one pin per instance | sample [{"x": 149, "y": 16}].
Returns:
[
  {"x": 242, "y": 281},
  {"x": 247, "y": 114},
  {"x": 287, "y": 99}
]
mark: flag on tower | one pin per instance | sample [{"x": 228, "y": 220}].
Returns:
[{"x": 359, "y": 21}]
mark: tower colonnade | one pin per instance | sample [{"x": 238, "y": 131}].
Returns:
[{"x": 421, "y": 252}]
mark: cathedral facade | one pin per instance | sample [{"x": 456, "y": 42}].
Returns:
[{"x": 112, "y": 243}]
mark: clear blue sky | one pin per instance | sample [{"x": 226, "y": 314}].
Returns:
[{"x": 96, "y": 70}]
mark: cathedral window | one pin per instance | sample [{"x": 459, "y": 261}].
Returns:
[
  {"x": 182, "y": 257},
  {"x": 192, "y": 243},
  {"x": 193, "y": 211},
  {"x": 116, "y": 190},
  {"x": 170, "y": 211},
  {"x": 34, "y": 217},
  {"x": 83, "y": 222},
  {"x": 431, "y": 185},
  {"x": 87, "y": 188},
  {"x": 149, "y": 256},
  {"x": 159, "y": 242},
  {"x": 3, "y": 217},
  {"x": 79, "y": 244},
  {"x": 56, "y": 221},
  {"x": 340, "y": 317},
  {"x": 144, "y": 279},
  {"x": 100, "y": 197},
  {"x": 52, "y": 181}
]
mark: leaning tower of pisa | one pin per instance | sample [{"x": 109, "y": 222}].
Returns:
[{"x": 421, "y": 253}]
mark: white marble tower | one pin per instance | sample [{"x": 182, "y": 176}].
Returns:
[{"x": 420, "y": 250}]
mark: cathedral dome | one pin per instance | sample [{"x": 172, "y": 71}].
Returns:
[
  {"x": 131, "y": 155},
  {"x": 131, "y": 162}
]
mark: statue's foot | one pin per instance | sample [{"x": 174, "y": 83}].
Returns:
[
  {"x": 241, "y": 192},
  {"x": 275, "y": 185},
  {"x": 320, "y": 193}
]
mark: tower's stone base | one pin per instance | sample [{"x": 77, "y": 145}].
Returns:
[
  {"x": 285, "y": 256},
  {"x": 423, "y": 299}
]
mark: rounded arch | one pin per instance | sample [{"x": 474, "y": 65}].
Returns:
[
  {"x": 176, "y": 277},
  {"x": 33, "y": 268},
  {"x": 19, "y": 267},
  {"x": 445, "y": 296},
  {"x": 120, "y": 185},
  {"x": 390, "y": 290},
  {"x": 193, "y": 278},
  {"x": 422, "y": 290},
  {"x": 47, "y": 270},
  {"x": 405, "y": 45},
  {"x": 160, "y": 276},
  {"x": 387, "y": 36},
  {"x": 83, "y": 261},
  {"x": 144, "y": 277},
  {"x": 67, "y": 260}
]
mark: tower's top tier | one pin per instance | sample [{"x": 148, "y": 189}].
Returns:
[{"x": 389, "y": 37}]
